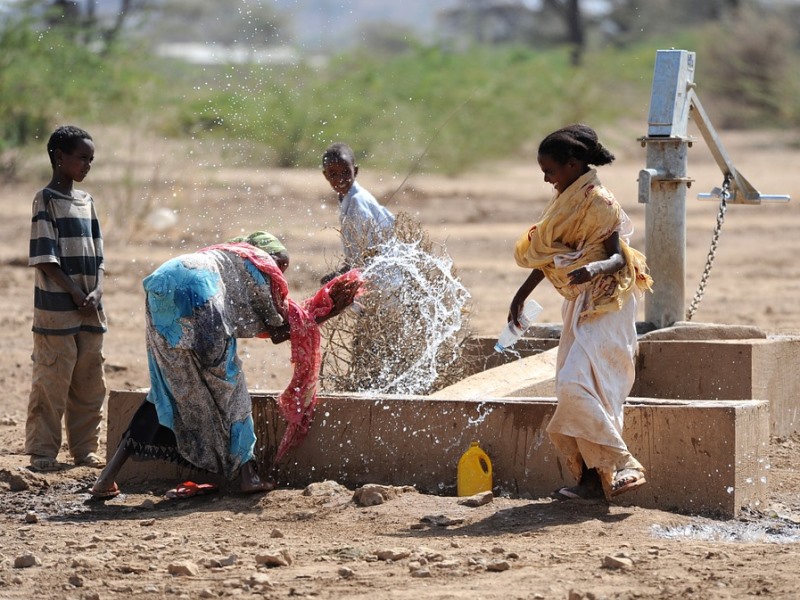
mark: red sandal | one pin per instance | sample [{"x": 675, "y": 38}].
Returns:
[{"x": 187, "y": 489}]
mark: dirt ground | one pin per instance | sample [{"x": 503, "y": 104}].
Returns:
[{"x": 56, "y": 543}]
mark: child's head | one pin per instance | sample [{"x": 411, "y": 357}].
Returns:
[
  {"x": 566, "y": 154},
  {"x": 339, "y": 167},
  {"x": 71, "y": 152}
]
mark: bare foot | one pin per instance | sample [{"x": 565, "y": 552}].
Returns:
[{"x": 104, "y": 492}]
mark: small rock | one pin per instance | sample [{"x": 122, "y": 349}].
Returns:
[
  {"x": 325, "y": 488},
  {"x": 131, "y": 569},
  {"x": 276, "y": 533},
  {"x": 228, "y": 561},
  {"x": 393, "y": 554},
  {"x": 27, "y": 560},
  {"x": 207, "y": 593},
  {"x": 217, "y": 563},
  {"x": 498, "y": 566},
  {"x": 76, "y": 580},
  {"x": 260, "y": 579},
  {"x": 373, "y": 494},
  {"x": 425, "y": 572},
  {"x": 147, "y": 504},
  {"x": 440, "y": 520},
  {"x": 275, "y": 559},
  {"x": 617, "y": 562},
  {"x": 369, "y": 497},
  {"x": 84, "y": 562},
  {"x": 31, "y": 517},
  {"x": 147, "y": 522},
  {"x": 477, "y": 499},
  {"x": 345, "y": 572},
  {"x": 183, "y": 568},
  {"x": 20, "y": 481}
]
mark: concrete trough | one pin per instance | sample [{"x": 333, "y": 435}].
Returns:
[
  {"x": 702, "y": 457},
  {"x": 680, "y": 363},
  {"x": 725, "y": 370}
]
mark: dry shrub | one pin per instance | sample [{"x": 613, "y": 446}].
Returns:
[
  {"x": 748, "y": 66},
  {"x": 408, "y": 334}
]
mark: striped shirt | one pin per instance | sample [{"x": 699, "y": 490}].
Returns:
[{"x": 65, "y": 231}]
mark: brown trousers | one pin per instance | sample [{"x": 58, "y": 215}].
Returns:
[{"x": 68, "y": 381}]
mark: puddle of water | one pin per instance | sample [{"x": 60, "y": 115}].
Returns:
[{"x": 764, "y": 531}]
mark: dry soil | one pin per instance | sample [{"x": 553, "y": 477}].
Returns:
[{"x": 56, "y": 543}]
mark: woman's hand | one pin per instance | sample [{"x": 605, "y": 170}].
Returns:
[
  {"x": 279, "y": 334},
  {"x": 343, "y": 292}
]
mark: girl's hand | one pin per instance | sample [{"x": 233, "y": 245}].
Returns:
[
  {"x": 534, "y": 278},
  {"x": 515, "y": 309},
  {"x": 583, "y": 274}
]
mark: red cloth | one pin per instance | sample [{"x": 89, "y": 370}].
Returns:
[{"x": 298, "y": 401}]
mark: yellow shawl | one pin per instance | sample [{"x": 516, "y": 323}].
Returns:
[{"x": 571, "y": 233}]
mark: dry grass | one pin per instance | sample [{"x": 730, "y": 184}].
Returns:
[{"x": 408, "y": 335}]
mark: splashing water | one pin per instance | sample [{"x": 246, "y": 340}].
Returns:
[
  {"x": 408, "y": 331},
  {"x": 767, "y": 531},
  {"x": 483, "y": 412}
]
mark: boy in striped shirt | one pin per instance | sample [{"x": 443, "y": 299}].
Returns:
[{"x": 66, "y": 248}]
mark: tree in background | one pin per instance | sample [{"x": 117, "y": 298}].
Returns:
[
  {"x": 487, "y": 22},
  {"x": 100, "y": 24},
  {"x": 747, "y": 64},
  {"x": 570, "y": 13},
  {"x": 631, "y": 20},
  {"x": 252, "y": 23},
  {"x": 81, "y": 18}
]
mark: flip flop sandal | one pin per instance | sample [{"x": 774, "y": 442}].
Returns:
[
  {"x": 105, "y": 494},
  {"x": 575, "y": 492},
  {"x": 627, "y": 480},
  {"x": 565, "y": 493},
  {"x": 91, "y": 460},
  {"x": 44, "y": 464},
  {"x": 187, "y": 489}
]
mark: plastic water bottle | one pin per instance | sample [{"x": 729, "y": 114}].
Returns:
[
  {"x": 509, "y": 336},
  {"x": 474, "y": 471}
]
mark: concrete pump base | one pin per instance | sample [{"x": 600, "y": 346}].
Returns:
[{"x": 702, "y": 457}]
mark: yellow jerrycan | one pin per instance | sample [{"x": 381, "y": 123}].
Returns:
[{"x": 474, "y": 471}]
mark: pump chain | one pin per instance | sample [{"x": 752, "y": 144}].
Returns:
[{"x": 712, "y": 251}]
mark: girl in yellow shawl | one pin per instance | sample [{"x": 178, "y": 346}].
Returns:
[{"x": 581, "y": 245}]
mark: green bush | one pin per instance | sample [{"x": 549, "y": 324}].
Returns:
[
  {"x": 46, "y": 77},
  {"x": 749, "y": 69},
  {"x": 452, "y": 110},
  {"x": 425, "y": 107}
]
